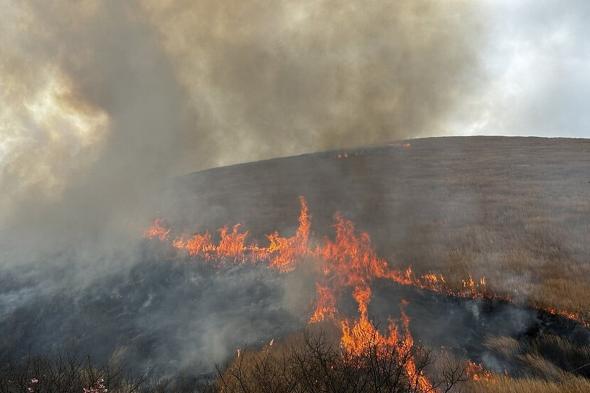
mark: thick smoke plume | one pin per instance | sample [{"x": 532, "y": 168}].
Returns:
[{"x": 102, "y": 101}]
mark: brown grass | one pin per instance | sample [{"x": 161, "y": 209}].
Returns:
[
  {"x": 515, "y": 210},
  {"x": 569, "y": 384}
]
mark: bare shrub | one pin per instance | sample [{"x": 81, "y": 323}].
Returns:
[
  {"x": 62, "y": 375},
  {"x": 312, "y": 363}
]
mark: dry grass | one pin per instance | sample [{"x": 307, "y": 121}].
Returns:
[
  {"x": 569, "y": 384},
  {"x": 546, "y": 356},
  {"x": 546, "y": 364},
  {"x": 505, "y": 347},
  {"x": 73, "y": 375},
  {"x": 514, "y": 210}
]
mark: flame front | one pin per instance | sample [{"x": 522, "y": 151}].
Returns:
[
  {"x": 281, "y": 253},
  {"x": 348, "y": 261},
  {"x": 361, "y": 336}
]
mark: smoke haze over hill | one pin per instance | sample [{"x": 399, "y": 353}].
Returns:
[{"x": 104, "y": 99}]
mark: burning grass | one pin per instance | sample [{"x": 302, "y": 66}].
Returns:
[
  {"x": 514, "y": 210},
  {"x": 349, "y": 261},
  {"x": 477, "y": 231}
]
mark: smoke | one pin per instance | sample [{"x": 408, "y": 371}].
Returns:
[
  {"x": 93, "y": 121},
  {"x": 279, "y": 78},
  {"x": 102, "y": 101}
]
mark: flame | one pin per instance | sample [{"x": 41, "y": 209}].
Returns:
[
  {"x": 232, "y": 244},
  {"x": 281, "y": 253},
  {"x": 347, "y": 261},
  {"x": 567, "y": 314},
  {"x": 157, "y": 230},
  {"x": 361, "y": 336},
  {"x": 286, "y": 251},
  {"x": 325, "y": 304},
  {"x": 476, "y": 372}
]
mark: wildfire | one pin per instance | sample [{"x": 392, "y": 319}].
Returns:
[
  {"x": 325, "y": 304},
  {"x": 281, "y": 253},
  {"x": 286, "y": 251},
  {"x": 476, "y": 372},
  {"x": 157, "y": 230},
  {"x": 567, "y": 314},
  {"x": 361, "y": 335},
  {"x": 347, "y": 261}
]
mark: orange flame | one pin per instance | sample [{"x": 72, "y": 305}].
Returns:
[
  {"x": 476, "y": 372},
  {"x": 287, "y": 250},
  {"x": 567, "y": 314},
  {"x": 157, "y": 230},
  {"x": 361, "y": 336},
  {"x": 281, "y": 253},
  {"x": 232, "y": 244},
  {"x": 348, "y": 261},
  {"x": 325, "y": 304}
]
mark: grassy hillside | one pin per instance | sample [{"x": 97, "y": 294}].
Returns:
[{"x": 515, "y": 210}]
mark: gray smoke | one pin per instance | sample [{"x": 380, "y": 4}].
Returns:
[{"x": 103, "y": 101}]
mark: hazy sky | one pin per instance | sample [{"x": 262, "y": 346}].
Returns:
[
  {"x": 98, "y": 98},
  {"x": 537, "y": 56}
]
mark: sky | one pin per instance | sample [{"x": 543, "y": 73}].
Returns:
[
  {"x": 99, "y": 98},
  {"x": 537, "y": 58}
]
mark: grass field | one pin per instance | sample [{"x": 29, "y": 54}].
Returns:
[{"x": 515, "y": 210}]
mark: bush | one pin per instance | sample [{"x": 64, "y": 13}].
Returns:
[{"x": 313, "y": 364}]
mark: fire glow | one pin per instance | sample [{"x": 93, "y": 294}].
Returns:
[{"x": 349, "y": 261}]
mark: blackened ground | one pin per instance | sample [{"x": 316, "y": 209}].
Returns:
[
  {"x": 466, "y": 326},
  {"x": 171, "y": 315},
  {"x": 162, "y": 315}
]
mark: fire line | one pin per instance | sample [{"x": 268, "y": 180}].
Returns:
[{"x": 347, "y": 261}]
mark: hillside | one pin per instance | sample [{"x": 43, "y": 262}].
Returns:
[{"x": 514, "y": 210}]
